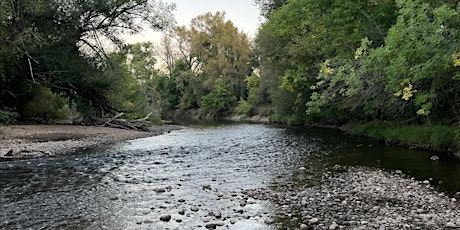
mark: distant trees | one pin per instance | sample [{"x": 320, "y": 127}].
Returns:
[{"x": 213, "y": 61}]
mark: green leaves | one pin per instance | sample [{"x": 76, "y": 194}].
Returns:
[{"x": 220, "y": 99}]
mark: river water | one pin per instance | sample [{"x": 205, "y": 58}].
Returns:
[{"x": 190, "y": 175}]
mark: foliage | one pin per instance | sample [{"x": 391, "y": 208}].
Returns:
[
  {"x": 243, "y": 108},
  {"x": 46, "y": 105},
  {"x": 7, "y": 117},
  {"x": 299, "y": 36},
  {"x": 418, "y": 50},
  {"x": 435, "y": 137},
  {"x": 220, "y": 99},
  {"x": 219, "y": 51},
  {"x": 58, "y": 44}
]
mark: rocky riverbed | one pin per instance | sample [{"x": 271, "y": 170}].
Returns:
[
  {"x": 22, "y": 141},
  {"x": 363, "y": 198}
]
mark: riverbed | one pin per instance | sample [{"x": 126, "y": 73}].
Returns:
[{"x": 212, "y": 176}]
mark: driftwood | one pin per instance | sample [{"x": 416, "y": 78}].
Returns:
[{"x": 117, "y": 122}]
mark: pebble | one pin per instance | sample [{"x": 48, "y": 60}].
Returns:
[
  {"x": 313, "y": 220},
  {"x": 364, "y": 198},
  {"x": 165, "y": 218},
  {"x": 333, "y": 226},
  {"x": 211, "y": 226},
  {"x": 206, "y": 187},
  {"x": 160, "y": 190},
  {"x": 269, "y": 221}
]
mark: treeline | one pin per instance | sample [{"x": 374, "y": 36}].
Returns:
[{"x": 320, "y": 61}]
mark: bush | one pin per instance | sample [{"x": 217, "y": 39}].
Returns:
[
  {"x": 243, "y": 108},
  {"x": 47, "y": 105},
  {"x": 219, "y": 100},
  {"x": 7, "y": 117}
]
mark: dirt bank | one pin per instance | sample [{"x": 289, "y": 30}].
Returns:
[{"x": 22, "y": 141}]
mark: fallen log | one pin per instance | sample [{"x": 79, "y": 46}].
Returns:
[{"x": 117, "y": 122}]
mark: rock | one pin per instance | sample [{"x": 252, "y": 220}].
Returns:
[
  {"x": 243, "y": 203},
  {"x": 9, "y": 153},
  {"x": 182, "y": 212},
  {"x": 302, "y": 169},
  {"x": 303, "y": 226},
  {"x": 206, "y": 219},
  {"x": 451, "y": 225},
  {"x": 313, "y": 220},
  {"x": 181, "y": 200},
  {"x": 165, "y": 218},
  {"x": 434, "y": 158},
  {"x": 217, "y": 215},
  {"x": 269, "y": 221},
  {"x": 333, "y": 226},
  {"x": 206, "y": 187},
  {"x": 211, "y": 226},
  {"x": 232, "y": 221},
  {"x": 194, "y": 209},
  {"x": 159, "y": 190}
]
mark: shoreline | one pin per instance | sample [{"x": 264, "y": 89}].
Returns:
[
  {"x": 30, "y": 141},
  {"x": 364, "y": 198}
]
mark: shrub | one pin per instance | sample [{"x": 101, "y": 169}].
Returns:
[
  {"x": 7, "y": 117},
  {"x": 47, "y": 105},
  {"x": 243, "y": 108}
]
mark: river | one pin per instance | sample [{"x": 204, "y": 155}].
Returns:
[{"x": 194, "y": 176}]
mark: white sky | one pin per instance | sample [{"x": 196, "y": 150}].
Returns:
[{"x": 243, "y": 13}]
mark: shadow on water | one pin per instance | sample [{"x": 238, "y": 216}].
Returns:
[{"x": 190, "y": 175}]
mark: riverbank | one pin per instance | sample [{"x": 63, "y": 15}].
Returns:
[
  {"x": 364, "y": 198},
  {"x": 23, "y": 141},
  {"x": 443, "y": 139}
]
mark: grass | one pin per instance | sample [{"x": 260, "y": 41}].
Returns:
[{"x": 441, "y": 138}]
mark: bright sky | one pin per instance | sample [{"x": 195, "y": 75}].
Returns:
[{"x": 243, "y": 13}]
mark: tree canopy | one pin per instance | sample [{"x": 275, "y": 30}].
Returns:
[{"x": 61, "y": 45}]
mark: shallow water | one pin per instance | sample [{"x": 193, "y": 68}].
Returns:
[{"x": 114, "y": 187}]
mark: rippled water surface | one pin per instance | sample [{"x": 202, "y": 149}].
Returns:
[{"x": 117, "y": 187}]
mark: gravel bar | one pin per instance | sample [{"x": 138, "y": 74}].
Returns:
[{"x": 25, "y": 141}]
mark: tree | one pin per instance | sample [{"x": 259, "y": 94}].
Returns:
[
  {"x": 299, "y": 36},
  {"x": 220, "y": 51},
  {"x": 219, "y": 100},
  {"x": 58, "y": 44},
  {"x": 418, "y": 54},
  {"x": 269, "y": 6}
]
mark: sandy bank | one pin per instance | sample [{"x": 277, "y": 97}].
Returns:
[{"x": 22, "y": 141}]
